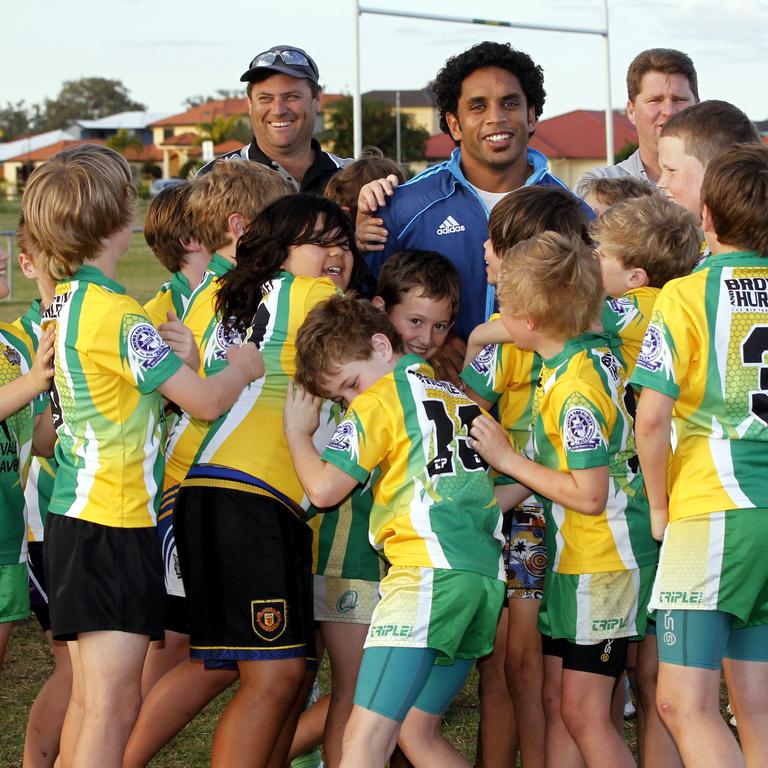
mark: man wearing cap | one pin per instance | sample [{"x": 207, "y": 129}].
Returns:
[{"x": 284, "y": 99}]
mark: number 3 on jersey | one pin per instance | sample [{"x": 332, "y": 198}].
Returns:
[
  {"x": 753, "y": 350},
  {"x": 448, "y": 442}
]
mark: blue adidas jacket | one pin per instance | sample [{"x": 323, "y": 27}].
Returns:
[{"x": 438, "y": 210}]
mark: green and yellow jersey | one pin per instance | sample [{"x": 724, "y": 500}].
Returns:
[
  {"x": 109, "y": 362},
  {"x": 16, "y": 351},
  {"x": 42, "y": 471},
  {"x": 707, "y": 348},
  {"x": 626, "y": 319},
  {"x": 249, "y": 438},
  {"x": 583, "y": 418},
  {"x": 173, "y": 296},
  {"x": 433, "y": 503}
]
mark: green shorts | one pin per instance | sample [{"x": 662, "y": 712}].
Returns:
[
  {"x": 14, "y": 592},
  {"x": 453, "y": 612},
  {"x": 588, "y": 608},
  {"x": 716, "y": 562}
]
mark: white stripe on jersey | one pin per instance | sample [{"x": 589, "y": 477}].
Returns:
[
  {"x": 86, "y": 476},
  {"x": 558, "y": 517},
  {"x": 723, "y": 461},
  {"x": 32, "y": 501},
  {"x": 617, "y": 522},
  {"x": 151, "y": 447},
  {"x": 722, "y": 336},
  {"x": 424, "y": 612}
]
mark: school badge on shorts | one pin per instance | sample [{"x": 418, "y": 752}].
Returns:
[{"x": 269, "y": 618}]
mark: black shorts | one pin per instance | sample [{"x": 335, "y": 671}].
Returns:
[
  {"x": 608, "y": 657},
  {"x": 246, "y": 561},
  {"x": 177, "y": 614},
  {"x": 103, "y": 578},
  {"x": 38, "y": 585}
]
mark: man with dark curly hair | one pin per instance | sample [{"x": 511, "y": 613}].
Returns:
[{"x": 490, "y": 98}]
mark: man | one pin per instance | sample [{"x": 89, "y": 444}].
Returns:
[
  {"x": 660, "y": 83},
  {"x": 490, "y": 98},
  {"x": 283, "y": 102}
]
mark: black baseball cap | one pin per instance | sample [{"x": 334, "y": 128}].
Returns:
[{"x": 285, "y": 59}]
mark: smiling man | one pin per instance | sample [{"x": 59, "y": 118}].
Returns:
[
  {"x": 660, "y": 83},
  {"x": 284, "y": 99},
  {"x": 490, "y": 98}
]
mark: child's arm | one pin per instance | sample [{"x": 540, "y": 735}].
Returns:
[
  {"x": 44, "y": 435},
  {"x": 208, "y": 398},
  {"x": 324, "y": 484},
  {"x": 181, "y": 340},
  {"x": 511, "y": 495},
  {"x": 369, "y": 231},
  {"x": 19, "y": 392},
  {"x": 583, "y": 490},
  {"x": 492, "y": 332},
  {"x": 653, "y": 427}
]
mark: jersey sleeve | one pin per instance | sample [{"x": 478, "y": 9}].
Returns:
[
  {"x": 129, "y": 346},
  {"x": 482, "y": 374},
  {"x": 667, "y": 350},
  {"x": 362, "y": 439},
  {"x": 318, "y": 291},
  {"x": 583, "y": 426}
]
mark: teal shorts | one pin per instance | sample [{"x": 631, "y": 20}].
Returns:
[
  {"x": 704, "y": 638},
  {"x": 392, "y": 680},
  {"x": 14, "y": 592}
]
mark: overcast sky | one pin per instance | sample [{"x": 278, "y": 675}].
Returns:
[{"x": 165, "y": 51}]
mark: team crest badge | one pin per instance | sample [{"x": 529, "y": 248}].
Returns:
[
  {"x": 147, "y": 345},
  {"x": 581, "y": 430},
  {"x": 12, "y": 356},
  {"x": 348, "y": 601},
  {"x": 269, "y": 618},
  {"x": 652, "y": 349},
  {"x": 343, "y": 436},
  {"x": 482, "y": 361}
]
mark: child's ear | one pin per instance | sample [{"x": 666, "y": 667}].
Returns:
[
  {"x": 27, "y": 266},
  {"x": 382, "y": 346},
  {"x": 379, "y": 303},
  {"x": 637, "y": 278},
  {"x": 706, "y": 220},
  {"x": 236, "y": 225}
]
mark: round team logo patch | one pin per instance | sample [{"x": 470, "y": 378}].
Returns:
[
  {"x": 484, "y": 358},
  {"x": 227, "y": 336},
  {"x": 581, "y": 430},
  {"x": 651, "y": 350},
  {"x": 145, "y": 341},
  {"x": 343, "y": 437}
]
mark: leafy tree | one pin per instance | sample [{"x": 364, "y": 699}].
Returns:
[
  {"x": 379, "y": 130},
  {"x": 87, "y": 98},
  {"x": 15, "y": 120},
  {"x": 122, "y": 140},
  {"x": 221, "y": 93},
  {"x": 225, "y": 128},
  {"x": 628, "y": 148}
]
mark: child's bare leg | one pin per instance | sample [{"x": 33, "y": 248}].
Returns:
[
  {"x": 422, "y": 740},
  {"x": 176, "y": 699},
  {"x": 748, "y": 690},
  {"x": 249, "y": 728},
  {"x": 524, "y": 668},
  {"x": 562, "y": 751},
  {"x": 344, "y": 642},
  {"x": 688, "y": 699},
  {"x": 497, "y": 732},
  {"x": 283, "y": 746},
  {"x": 111, "y": 663},
  {"x": 657, "y": 747},
  {"x": 46, "y": 717},
  {"x": 162, "y": 657},
  {"x": 369, "y": 739},
  {"x": 70, "y": 729},
  {"x": 310, "y": 728},
  {"x": 5, "y": 634}
]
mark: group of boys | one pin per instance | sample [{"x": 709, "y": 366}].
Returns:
[{"x": 590, "y": 315}]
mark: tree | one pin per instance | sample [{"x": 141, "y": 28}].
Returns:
[
  {"x": 627, "y": 149},
  {"x": 122, "y": 140},
  {"x": 223, "y": 129},
  {"x": 87, "y": 98},
  {"x": 15, "y": 120},
  {"x": 379, "y": 130}
]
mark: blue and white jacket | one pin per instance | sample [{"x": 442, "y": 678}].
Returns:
[{"x": 438, "y": 210}]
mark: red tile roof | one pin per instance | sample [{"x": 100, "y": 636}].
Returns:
[
  {"x": 181, "y": 140},
  {"x": 205, "y": 113},
  {"x": 149, "y": 152},
  {"x": 577, "y": 134}
]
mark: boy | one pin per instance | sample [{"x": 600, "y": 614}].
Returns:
[
  {"x": 601, "y": 193},
  {"x": 550, "y": 293},
  {"x": 690, "y": 139},
  {"x": 434, "y": 516},
  {"x": 703, "y": 365},
  {"x": 642, "y": 244}
]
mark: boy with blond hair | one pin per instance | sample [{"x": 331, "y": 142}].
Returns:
[
  {"x": 703, "y": 365},
  {"x": 433, "y": 516},
  {"x": 584, "y": 474}
]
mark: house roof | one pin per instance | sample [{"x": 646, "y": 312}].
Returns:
[
  {"x": 181, "y": 140},
  {"x": 31, "y": 143},
  {"x": 205, "y": 113},
  {"x": 127, "y": 120},
  {"x": 148, "y": 152},
  {"x": 578, "y": 134},
  {"x": 425, "y": 97}
]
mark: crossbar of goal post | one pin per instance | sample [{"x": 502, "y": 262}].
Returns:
[{"x": 357, "y": 106}]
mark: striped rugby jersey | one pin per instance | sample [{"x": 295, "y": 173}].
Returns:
[
  {"x": 707, "y": 348},
  {"x": 15, "y": 448},
  {"x": 249, "y": 438},
  {"x": 109, "y": 362},
  {"x": 626, "y": 319},
  {"x": 583, "y": 418},
  {"x": 173, "y": 296},
  {"x": 433, "y": 502}
]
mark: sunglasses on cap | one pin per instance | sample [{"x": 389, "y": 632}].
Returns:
[{"x": 288, "y": 55}]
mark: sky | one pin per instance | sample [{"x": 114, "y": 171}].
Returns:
[{"x": 165, "y": 50}]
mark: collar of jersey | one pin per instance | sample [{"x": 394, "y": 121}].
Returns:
[
  {"x": 735, "y": 259},
  {"x": 90, "y": 274},
  {"x": 219, "y": 265},
  {"x": 585, "y": 341}
]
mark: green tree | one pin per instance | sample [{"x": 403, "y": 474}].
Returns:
[
  {"x": 122, "y": 141},
  {"x": 88, "y": 98},
  {"x": 628, "y": 148},
  {"x": 379, "y": 130},
  {"x": 222, "y": 129},
  {"x": 15, "y": 121}
]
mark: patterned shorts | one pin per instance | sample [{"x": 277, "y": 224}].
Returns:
[
  {"x": 350, "y": 601},
  {"x": 525, "y": 554}
]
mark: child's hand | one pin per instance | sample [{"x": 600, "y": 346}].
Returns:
[
  {"x": 41, "y": 371},
  {"x": 180, "y": 339},
  {"x": 248, "y": 358},
  {"x": 448, "y": 361},
  {"x": 302, "y": 410},
  {"x": 659, "y": 521},
  {"x": 370, "y": 234},
  {"x": 374, "y": 195},
  {"x": 491, "y": 441}
]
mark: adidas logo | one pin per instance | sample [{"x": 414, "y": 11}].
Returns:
[{"x": 449, "y": 226}]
